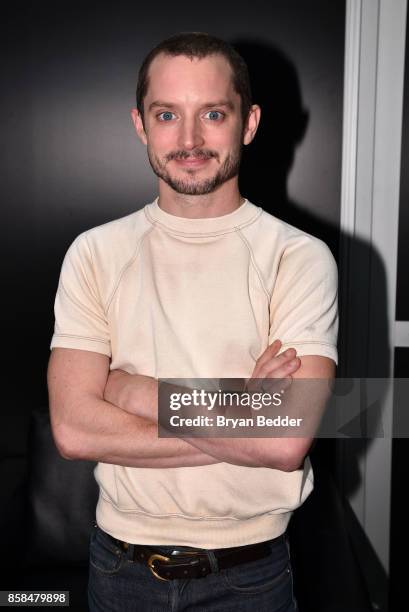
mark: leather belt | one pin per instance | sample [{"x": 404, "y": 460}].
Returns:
[{"x": 193, "y": 562}]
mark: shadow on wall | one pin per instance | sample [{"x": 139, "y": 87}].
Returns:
[{"x": 266, "y": 165}]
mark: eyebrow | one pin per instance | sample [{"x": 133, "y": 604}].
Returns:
[{"x": 163, "y": 104}]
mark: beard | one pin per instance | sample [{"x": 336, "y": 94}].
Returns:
[{"x": 228, "y": 169}]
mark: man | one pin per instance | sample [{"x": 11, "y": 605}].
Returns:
[{"x": 200, "y": 283}]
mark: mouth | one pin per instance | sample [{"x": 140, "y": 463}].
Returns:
[{"x": 192, "y": 162}]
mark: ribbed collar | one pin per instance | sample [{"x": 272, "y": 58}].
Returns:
[{"x": 243, "y": 215}]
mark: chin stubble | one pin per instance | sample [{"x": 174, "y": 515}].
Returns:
[{"x": 228, "y": 170}]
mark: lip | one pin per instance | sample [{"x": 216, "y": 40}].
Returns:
[{"x": 192, "y": 163}]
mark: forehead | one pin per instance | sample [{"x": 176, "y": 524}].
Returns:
[{"x": 180, "y": 78}]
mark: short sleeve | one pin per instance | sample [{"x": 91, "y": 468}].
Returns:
[
  {"x": 80, "y": 319},
  {"x": 304, "y": 301}
]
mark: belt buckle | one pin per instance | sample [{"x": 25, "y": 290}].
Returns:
[
  {"x": 156, "y": 556},
  {"x": 153, "y": 558}
]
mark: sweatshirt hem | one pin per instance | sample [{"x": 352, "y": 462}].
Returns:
[{"x": 200, "y": 533}]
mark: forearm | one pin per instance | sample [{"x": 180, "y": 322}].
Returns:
[
  {"x": 281, "y": 451},
  {"x": 285, "y": 446},
  {"x": 98, "y": 431},
  {"x": 245, "y": 451},
  {"x": 138, "y": 394},
  {"x": 249, "y": 452}
]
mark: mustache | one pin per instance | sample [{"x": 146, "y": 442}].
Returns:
[{"x": 197, "y": 154}]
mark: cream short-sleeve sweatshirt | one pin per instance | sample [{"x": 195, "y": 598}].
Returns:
[{"x": 171, "y": 297}]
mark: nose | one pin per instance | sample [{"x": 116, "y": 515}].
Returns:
[{"x": 190, "y": 134}]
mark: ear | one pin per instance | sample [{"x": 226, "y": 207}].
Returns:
[
  {"x": 253, "y": 119},
  {"x": 138, "y": 123}
]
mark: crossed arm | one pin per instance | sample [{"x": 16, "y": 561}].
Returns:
[
  {"x": 112, "y": 416},
  {"x": 86, "y": 426}
]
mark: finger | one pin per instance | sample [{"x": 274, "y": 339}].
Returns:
[
  {"x": 270, "y": 351},
  {"x": 287, "y": 368},
  {"x": 275, "y": 362},
  {"x": 278, "y": 370}
]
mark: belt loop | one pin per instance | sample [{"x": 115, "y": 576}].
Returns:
[
  {"x": 213, "y": 561},
  {"x": 130, "y": 552},
  {"x": 126, "y": 548}
]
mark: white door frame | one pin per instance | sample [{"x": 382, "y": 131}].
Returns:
[{"x": 373, "y": 96}]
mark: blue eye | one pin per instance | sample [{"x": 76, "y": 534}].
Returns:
[
  {"x": 165, "y": 116},
  {"x": 214, "y": 115}
]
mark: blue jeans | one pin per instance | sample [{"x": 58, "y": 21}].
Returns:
[{"x": 117, "y": 584}]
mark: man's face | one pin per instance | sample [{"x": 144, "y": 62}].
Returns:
[{"x": 192, "y": 123}]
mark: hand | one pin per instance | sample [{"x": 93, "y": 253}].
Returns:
[{"x": 272, "y": 366}]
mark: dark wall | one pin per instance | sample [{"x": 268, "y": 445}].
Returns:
[{"x": 74, "y": 160}]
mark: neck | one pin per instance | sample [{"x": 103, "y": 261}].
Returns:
[{"x": 222, "y": 201}]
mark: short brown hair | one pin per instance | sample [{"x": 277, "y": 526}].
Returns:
[{"x": 198, "y": 44}]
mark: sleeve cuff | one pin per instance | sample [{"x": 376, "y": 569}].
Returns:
[
  {"x": 313, "y": 348},
  {"x": 78, "y": 342}
]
